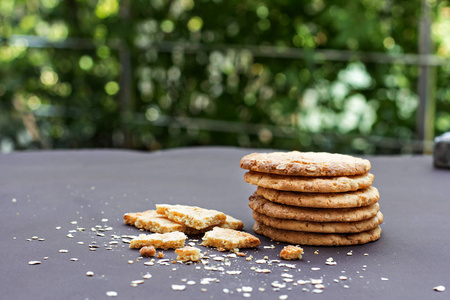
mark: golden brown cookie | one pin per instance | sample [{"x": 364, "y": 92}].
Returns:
[
  {"x": 317, "y": 239},
  {"x": 358, "y": 198},
  {"x": 281, "y": 211},
  {"x": 315, "y": 164},
  {"x": 321, "y": 227},
  {"x": 310, "y": 184}
]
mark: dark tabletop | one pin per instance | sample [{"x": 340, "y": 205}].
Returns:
[{"x": 40, "y": 191}]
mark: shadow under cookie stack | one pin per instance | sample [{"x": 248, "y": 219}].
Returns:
[{"x": 309, "y": 198}]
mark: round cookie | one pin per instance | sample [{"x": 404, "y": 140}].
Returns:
[
  {"x": 358, "y": 198},
  {"x": 280, "y": 211},
  {"x": 315, "y": 164},
  {"x": 317, "y": 239},
  {"x": 322, "y": 227},
  {"x": 309, "y": 184}
]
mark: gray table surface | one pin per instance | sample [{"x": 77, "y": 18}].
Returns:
[{"x": 40, "y": 191}]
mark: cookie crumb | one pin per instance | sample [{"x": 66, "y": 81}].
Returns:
[
  {"x": 291, "y": 253},
  {"x": 147, "y": 251},
  {"x": 160, "y": 255},
  {"x": 188, "y": 254}
]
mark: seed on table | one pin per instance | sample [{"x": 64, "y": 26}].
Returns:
[{"x": 34, "y": 262}]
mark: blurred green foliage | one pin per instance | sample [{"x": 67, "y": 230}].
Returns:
[{"x": 213, "y": 72}]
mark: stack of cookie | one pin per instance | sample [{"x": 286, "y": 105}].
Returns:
[{"x": 308, "y": 198}]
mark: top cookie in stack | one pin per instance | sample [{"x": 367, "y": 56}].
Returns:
[{"x": 313, "y": 198}]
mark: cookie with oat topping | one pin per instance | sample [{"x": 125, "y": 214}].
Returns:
[
  {"x": 322, "y": 227},
  {"x": 317, "y": 239},
  {"x": 315, "y": 164},
  {"x": 229, "y": 239},
  {"x": 280, "y": 211},
  {"x": 357, "y": 198},
  {"x": 310, "y": 184}
]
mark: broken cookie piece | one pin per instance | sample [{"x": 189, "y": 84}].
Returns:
[
  {"x": 171, "y": 240},
  {"x": 191, "y": 216},
  {"x": 232, "y": 223},
  {"x": 188, "y": 254},
  {"x": 291, "y": 252},
  {"x": 152, "y": 221},
  {"x": 131, "y": 218},
  {"x": 229, "y": 239}
]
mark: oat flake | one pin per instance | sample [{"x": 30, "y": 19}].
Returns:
[
  {"x": 439, "y": 288},
  {"x": 178, "y": 287},
  {"x": 111, "y": 294},
  {"x": 34, "y": 262}
]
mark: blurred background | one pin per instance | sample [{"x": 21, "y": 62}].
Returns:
[{"x": 363, "y": 76}]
